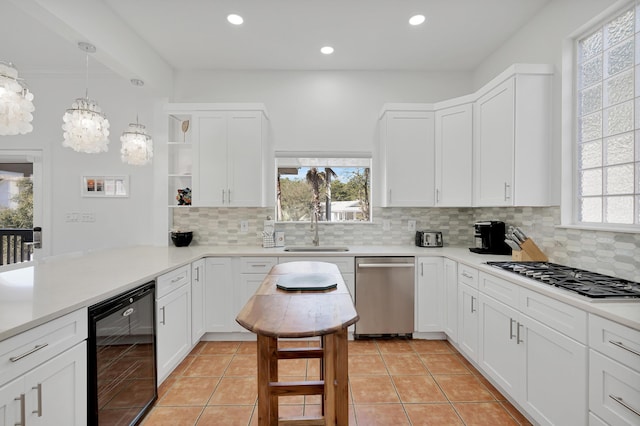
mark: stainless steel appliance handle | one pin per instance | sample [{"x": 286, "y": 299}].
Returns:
[
  {"x": 38, "y": 411},
  {"x": 23, "y": 411},
  {"x": 624, "y": 404},
  {"x": 625, "y": 347},
  {"x": 36, "y": 348},
  {"x": 386, "y": 265}
]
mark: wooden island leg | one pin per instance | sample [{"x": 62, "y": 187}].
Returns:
[
  {"x": 342, "y": 377},
  {"x": 267, "y": 372}
]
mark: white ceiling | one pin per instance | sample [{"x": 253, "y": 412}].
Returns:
[{"x": 276, "y": 34}]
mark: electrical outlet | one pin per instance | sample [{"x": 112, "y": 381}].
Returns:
[
  {"x": 411, "y": 226},
  {"x": 386, "y": 225},
  {"x": 72, "y": 217},
  {"x": 88, "y": 217},
  {"x": 244, "y": 226}
]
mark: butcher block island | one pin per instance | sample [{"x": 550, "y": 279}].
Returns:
[{"x": 286, "y": 305}]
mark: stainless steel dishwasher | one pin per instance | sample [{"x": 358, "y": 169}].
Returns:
[{"x": 384, "y": 296}]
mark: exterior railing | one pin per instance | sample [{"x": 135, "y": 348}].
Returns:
[{"x": 16, "y": 245}]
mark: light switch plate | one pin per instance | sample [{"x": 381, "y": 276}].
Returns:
[
  {"x": 244, "y": 226},
  {"x": 411, "y": 226}
]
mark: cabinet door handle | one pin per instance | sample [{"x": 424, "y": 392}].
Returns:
[
  {"x": 625, "y": 347},
  {"x": 38, "y": 411},
  {"x": 176, "y": 279},
  {"x": 36, "y": 348},
  {"x": 464, "y": 274},
  {"x": 506, "y": 191},
  {"x": 472, "y": 308},
  {"x": 437, "y": 195},
  {"x": 518, "y": 341},
  {"x": 163, "y": 321},
  {"x": 23, "y": 413},
  {"x": 389, "y": 195},
  {"x": 229, "y": 196},
  {"x": 223, "y": 196},
  {"x": 625, "y": 404},
  {"x": 259, "y": 265},
  {"x": 511, "y": 335},
  {"x": 421, "y": 269}
]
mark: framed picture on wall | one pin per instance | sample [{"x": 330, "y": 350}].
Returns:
[{"x": 105, "y": 186}]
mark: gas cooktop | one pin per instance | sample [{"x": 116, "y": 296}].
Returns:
[{"x": 586, "y": 283}]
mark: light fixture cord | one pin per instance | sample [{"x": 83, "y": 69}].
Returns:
[{"x": 86, "y": 81}]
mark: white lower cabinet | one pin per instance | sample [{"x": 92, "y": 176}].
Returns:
[
  {"x": 468, "y": 320},
  {"x": 55, "y": 393},
  {"x": 533, "y": 363},
  {"x": 173, "y": 320},
  {"x": 614, "y": 373},
  {"x": 449, "y": 299},
  {"x": 253, "y": 271},
  {"x": 428, "y": 294},
  {"x": 218, "y": 294},
  {"x": 500, "y": 346},
  {"x": 198, "y": 301},
  {"x": 43, "y": 374}
]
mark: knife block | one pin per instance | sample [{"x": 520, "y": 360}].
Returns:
[{"x": 529, "y": 253}]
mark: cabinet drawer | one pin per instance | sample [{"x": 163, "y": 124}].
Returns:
[
  {"x": 257, "y": 265},
  {"x": 467, "y": 275},
  {"x": 170, "y": 281},
  {"x": 22, "y": 352},
  {"x": 344, "y": 264},
  {"x": 614, "y": 390},
  {"x": 502, "y": 290},
  {"x": 615, "y": 340},
  {"x": 564, "y": 318}
]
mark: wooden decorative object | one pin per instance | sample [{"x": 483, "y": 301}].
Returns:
[{"x": 529, "y": 252}]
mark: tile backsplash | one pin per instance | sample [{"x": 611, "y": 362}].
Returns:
[{"x": 609, "y": 253}]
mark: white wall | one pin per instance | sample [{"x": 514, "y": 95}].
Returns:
[
  {"x": 118, "y": 221},
  {"x": 321, "y": 110}
]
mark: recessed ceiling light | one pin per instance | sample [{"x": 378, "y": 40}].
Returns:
[
  {"x": 327, "y": 50},
  {"x": 235, "y": 19},
  {"x": 416, "y": 19}
]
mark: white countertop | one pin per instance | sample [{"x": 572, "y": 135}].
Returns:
[{"x": 34, "y": 295}]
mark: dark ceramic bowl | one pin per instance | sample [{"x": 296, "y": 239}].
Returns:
[{"x": 181, "y": 239}]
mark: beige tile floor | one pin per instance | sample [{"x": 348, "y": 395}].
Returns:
[{"x": 391, "y": 382}]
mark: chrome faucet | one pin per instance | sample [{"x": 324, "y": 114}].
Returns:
[{"x": 314, "y": 227}]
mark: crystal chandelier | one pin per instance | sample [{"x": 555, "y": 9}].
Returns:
[
  {"x": 16, "y": 102},
  {"x": 137, "y": 146},
  {"x": 86, "y": 129}
]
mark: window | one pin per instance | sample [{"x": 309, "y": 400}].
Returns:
[
  {"x": 608, "y": 132},
  {"x": 336, "y": 189}
]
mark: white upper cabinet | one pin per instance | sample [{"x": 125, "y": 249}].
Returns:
[
  {"x": 227, "y": 164},
  {"x": 407, "y": 158},
  {"x": 489, "y": 148},
  {"x": 453, "y": 161},
  {"x": 512, "y": 137}
]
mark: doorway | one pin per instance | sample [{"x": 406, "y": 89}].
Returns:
[{"x": 21, "y": 207}]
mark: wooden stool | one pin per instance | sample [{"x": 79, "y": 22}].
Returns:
[{"x": 272, "y": 313}]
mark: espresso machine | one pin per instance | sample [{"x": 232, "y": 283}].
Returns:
[{"x": 489, "y": 238}]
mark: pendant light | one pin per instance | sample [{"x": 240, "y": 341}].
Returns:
[
  {"x": 137, "y": 145},
  {"x": 16, "y": 102},
  {"x": 86, "y": 129}
]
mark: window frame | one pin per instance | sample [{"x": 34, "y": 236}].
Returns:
[
  {"x": 569, "y": 127},
  {"x": 293, "y": 156}
]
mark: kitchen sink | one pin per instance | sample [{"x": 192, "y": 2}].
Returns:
[{"x": 316, "y": 248}]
